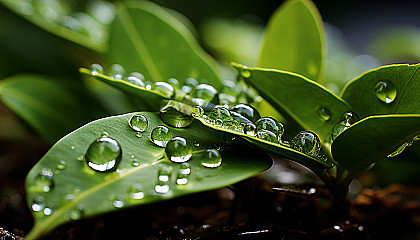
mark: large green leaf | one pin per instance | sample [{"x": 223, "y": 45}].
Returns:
[
  {"x": 79, "y": 191},
  {"x": 299, "y": 99},
  {"x": 403, "y": 78},
  {"x": 52, "y": 107},
  {"x": 294, "y": 40},
  {"x": 147, "y": 39},
  {"x": 374, "y": 138}
]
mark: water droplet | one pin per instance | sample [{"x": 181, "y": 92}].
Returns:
[
  {"x": 72, "y": 147},
  {"x": 117, "y": 72},
  {"x": 245, "y": 73},
  {"x": 211, "y": 158},
  {"x": 203, "y": 94},
  {"x": 247, "y": 112},
  {"x": 118, "y": 203},
  {"x": 160, "y": 136},
  {"x": 164, "y": 175},
  {"x": 136, "y": 78},
  {"x": 136, "y": 191},
  {"x": 47, "y": 211},
  {"x": 229, "y": 139},
  {"x": 270, "y": 124},
  {"x": 80, "y": 158},
  {"x": 324, "y": 114},
  {"x": 306, "y": 142},
  {"x": 385, "y": 91},
  {"x": 148, "y": 85},
  {"x": 104, "y": 154},
  {"x": 196, "y": 143},
  {"x": 44, "y": 180},
  {"x": 197, "y": 111},
  {"x": 183, "y": 174},
  {"x": 135, "y": 163},
  {"x": 267, "y": 136},
  {"x": 104, "y": 134},
  {"x": 165, "y": 88},
  {"x": 96, "y": 69},
  {"x": 77, "y": 212},
  {"x": 178, "y": 150},
  {"x": 222, "y": 114},
  {"x": 174, "y": 82},
  {"x": 400, "y": 149},
  {"x": 249, "y": 129},
  {"x": 38, "y": 203},
  {"x": 176, "y": 114},
  {"x": 61, "y": 165},
  {"x": 347, "y": 120},
  {"x": 138, "y": 123}
]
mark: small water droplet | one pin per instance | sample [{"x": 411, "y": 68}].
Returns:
[
  {"x": 176, "y": 114},
  {"x": 47, "y": 211},
  {"x": 136, "y": 78},
  {"x": 221, "y": 115},
  {"x": 246, "y": 111},
  {"x": 136, "y": 191},
  {"x": 245, "y": 73},
  {"x": 183, "y": 174},
  {"x": 77, "y": 212},
  {"x": 80, "y": 158},
  {"x": 117, "y": 72},
  {"x": 249, "y": 129},
  {"x": 211, "y": 158},
  {"x": 148, "y": 85},
  {"x": 267, "y": 136},
  {"x": 135, "y": 163},
  {"x": 270, "y": 124},
  {"x": 306, "y": 142},
  {"x": 118, "y": 203},
  {"x": 385, "y": 91},
  {"x": 197, "y": 111},
  {"x": 61, "y": 165},
  {"x": 178, "y": 150},
  {"x": 165, "y": 88},
  {"x": 400, "y": 149},
  {"x": 104, "y": 154},
  {"x": 44, "y": 180},
  {"x": 203, "y": 94},
  {"x": 347, "y": 119},
  {"x": 104, "y": 134},
  {"x": 96, "y": 69},
  {"x": 324, "y": 114},
  {"x": 174, "y": 82},
  {"x": 138, "y": 123},
  {"x": 189, "y": 85},
  {"x": 72, "y": 147},
  {"x": 160, "y": 136},
  {"x": 196, "y": 143},
  {"x": 38, "y": 203},
  {"x": 164, "y": 175}
]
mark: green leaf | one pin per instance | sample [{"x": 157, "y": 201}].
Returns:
[
  {"x": 52, "y": 107},
  {"x": 147, "y": 39},
  {"x": 79, "y": 190},
  {"x": 373, "y": 138},
  {"x": 297, "y": 98},
  {"x": 403, "y": 78},
  {"x": 294, "y": 40},
  {"x": 276, "y": 149}
]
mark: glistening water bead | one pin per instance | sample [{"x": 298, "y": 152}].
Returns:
[
  {"x": 178, "y": 150},
  {"x": 211, "y": 158},
  {"x": 96, "y": 69},
  {"x": 203, "y": 93},
  {"x": 104, "y": 154},
  {"x": 164, "y": 175},
  {"x": 385, "y": 91},
  {"x": 44, "y": 180},
  {"x": 324, "y": 114},
  {"x": 164, "y": 88},
  {"x": 246, "y": 111},
  {"x": 270, "y": 124},
  {"x": 160, "y": 135},
  {"x": 138, "y": 123},
  {"x": 306, "y": 142}
]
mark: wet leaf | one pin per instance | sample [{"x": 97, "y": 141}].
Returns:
[
  {"x": 373, "y": 138},
  {"x": 52, "y": 107},
  {"x": 147, "y": 39},
  {"x": 301, "y": 100},
  {"x": 385, "y": 90},
  {"x": 294, "y": 40},
  {"x": 79, "y": 191}
]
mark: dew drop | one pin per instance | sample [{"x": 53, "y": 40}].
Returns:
[
  {"x": 245, "y": 73},
  {"x": 44, "y": 180},
  {"x": 165, "y": 88},
  {"x": 173, "y": 82},
  {"x": 249, "y": 129},
  {"x": 148, "y": 85},
  {"x": 197, "y": 111},
  {"x": 270, "y": 124},
  {"x": 136, "y": 78},
  {"x": 385, "y": 91},
  {"x": 96, "y": 69},
  {"x": 196, "y": 143},
  {"x": 400, "y": 149},
  {"x": 222, "y": 115},
  {"x": 183, "y": 174},
  {"x": 189, "y": 85},
  {"x": 324, "y": 114},
  {"x": 47, "y": 211},
  {"x": 178, "y": 150},
  {"x": 203, "y": 94},
  {"x": 138, "y": 123},
  {"x": 80, "y": 158},
  {"x": 38, "y": 203},
  {"x": 117, "y": 72},
  {"x": 61, "y": 165},
  {"x": 160, "y": 135},
  {"x": 176, "y": 114},
  {"x": 72, "y": 147},
  {"x": 306, "y": 142},
  {"x": 136, "y": 191},
  {"x": 118, "y": 203},
  {"x": 77, "y": 212},
  {"x": 211, "y": 158},
  {"x": 135, "y": 163},
  {"x": 268, "y": 136},
  {"x": 164, "y": 175},
  {"x": 104, "y": 154},
  {"x": 347, "y": 120},
  {"x": 246, "y": 111},
  {"x": 104, "y": 134}
]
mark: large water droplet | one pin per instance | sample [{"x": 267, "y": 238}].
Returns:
[
  {"x": 138, "y": 123},
  {"x": 61, "y": 165},
  {"x": 178, "y": 150},
  {"x": 96, "y": 69},
  {"x": 203, "y": 94},
  {"x": 400, "y": 149},
  {"x": 136, "y": 191},
  {"x": 164, "y": 175},
  {"x": 104, "y": 154},
  {"x": 183, "y": 174},
  {"x": 249, "y": 129},
  {"x": 165, "y": 88},
  {"x": 117, "y": 72},
  {"x": 306, "y": 142},
  {"x": 38, "y": 203},
  {"x": 211, "y": 158},
  {"x": 222, "y": 115},
  {"x": 160, "y": 136},
  {"x": 385, "y": 91},
  {"x": 247, "y": 112},
  {"x": 197, "y": 111},
  {"x": 136, "y": 78},
  {"x": 44, "y": 180},
  {"x": 267, "y": 136},
  {"x": 189, "y": 85},
  {"x": 324, "y": 114},
  {"x": 176, "y": 114},
  {"x": 270, "y": 124}
]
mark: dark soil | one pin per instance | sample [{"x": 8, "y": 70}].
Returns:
[{"x": 246, "y": 210}]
